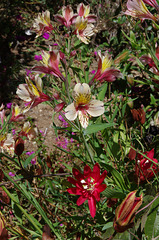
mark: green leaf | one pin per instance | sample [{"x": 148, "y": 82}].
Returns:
[
  {"x": 113, "y": 193},
  {"x": 119, "y": 180},
  {"x": 17, "y": 212},
  {"x": 107, "y": 225},
  {"x": 150, "y": 227},
  {"x": 102, "y": 93},
  {"x": 97, "y": 127}
]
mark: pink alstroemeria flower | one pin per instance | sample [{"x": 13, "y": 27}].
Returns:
[
  {"x": 138, "y": 9},
  {"x": 88, "y": 185},
  {"x": 66, "y": 17},
  {"x": 144, "y": 168},
  {"x": 83, "y": 29},
  {"x": 83, "y": 11},
  {"x": 50, "y": 62},
  {"x": 105, "y": 71},
  {"x": 152, "y": 3},
  {"x": 42, "y": 23},
  {"x": 32, "y": 93},
  {"x": 83, "y": 106}
]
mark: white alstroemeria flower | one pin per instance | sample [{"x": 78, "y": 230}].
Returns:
[{"x": 83, "y": 106}]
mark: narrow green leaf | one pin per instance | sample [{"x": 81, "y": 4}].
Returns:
[
  {"x": 102, "y": 93},
  {"x": 150, "y": 223}
]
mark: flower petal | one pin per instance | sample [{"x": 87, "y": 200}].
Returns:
[
  {"x": 92, "y": 206},
  {"x": 70, "y": 112},
  {"x": 81, "y": 200},
  {"x": 95, "y": 108},
  {"x": 83, "y": 118},
  {"x": 96, "y": 172},
  {"x": 81, "y": 89},
  {"x": 79, "y": 176},
  {"x": 74, "y": 190},
  {"x": 87, "y": 171}
]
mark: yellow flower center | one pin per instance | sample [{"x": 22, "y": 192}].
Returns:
[
  {"x": 81, "y": 25},
  {"x": 82, "y": 99}
]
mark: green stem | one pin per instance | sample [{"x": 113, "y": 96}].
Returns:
[{"x": 87, "y": 148}]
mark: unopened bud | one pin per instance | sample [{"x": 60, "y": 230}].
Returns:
[
  {"x": 130, "y": 103},
  {"x": 73, "y": 53},
  {"x": 130, "y": 80},
  {"x": 56, "y": 96},
  {"x": 59, "y": 107},
  {"x": 19, "y": 146}
]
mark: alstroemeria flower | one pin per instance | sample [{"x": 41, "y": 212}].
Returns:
[
  {"x": 125, "y": 212},
  {"x": 83, "y": 105},
  {"x": 138, "y": 9},
  {"x": 105, "y": 72},
  {"x": 2, "y": 113},
  {"x": 83, "y": 11},
  {"x": 42, "y": 23},
  {"x": 7, "y": 143},
  {"x": 152, "y": 3},
  {"x": 29, "y": 131},
  {"x": 17, "y": 114},
  {"x": 148, "y": 60},
  {"x": 144, "y": 168},
  {"x": 83, "y": 29},
  {"x": 50, "y": 64},
  {"x": 31, "y": 92},
  {"x": 88, "y": 185},
  {"x": 66, "y": 17}
]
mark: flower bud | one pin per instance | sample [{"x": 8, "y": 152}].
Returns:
[
  {"x": 125, "y": 212},
  {"x": 59, "y": 107},
  {"x": 56, "y": 96},
  {"x": 130, "y": 80},
  {"x": 130, "y": 103},
  {"x": 73, "y": 53},
  {"x": 19, "y": 146},
  {"x": 132, "y": 154}
]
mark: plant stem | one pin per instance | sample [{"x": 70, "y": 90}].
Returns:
[{"x": 87, "y": 148}]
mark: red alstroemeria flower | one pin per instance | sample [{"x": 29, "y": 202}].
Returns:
[
  {"x": 50, "y": 63},
  {"x": 105, "y": 72},
  {"x": 144, "y": 168},
  {"x": 88, "y": 185}
]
